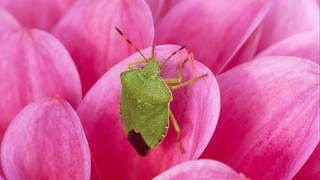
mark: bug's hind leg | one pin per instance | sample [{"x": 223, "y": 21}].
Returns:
[{"x": 177, "y": 129}]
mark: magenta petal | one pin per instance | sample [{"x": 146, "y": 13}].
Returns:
[
  {"x": 305, "y": 45},
  {"x": 247, "y": 51},
  {"x": 213, "y": 30},
  {"x": 196, "y": 108},
  {"x": 286, "y": 18},
  {"x": 7, "y": 21},
  {"x": 160, "y": 8},
  {"x": 311, "y": 169},
  {"x": 46, "y": 141},
  {"x": 88, "y": 32},
  {"x": 200, "y": 169},
  {"x": 269, "y": 122},
  {"x": 156, "y": 7},
  {"x": 33, "y": 64},
  {"x": 41, "y": 14}
]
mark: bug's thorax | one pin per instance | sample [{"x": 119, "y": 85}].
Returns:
[{"x": 151, "y": 69}]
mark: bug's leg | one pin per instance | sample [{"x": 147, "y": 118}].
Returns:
[
  {"x": 177, "y": 79},
  {"x": 177, "y": 129},
  {"x": 178, "y": 70},
  {"x": 190, "y": 81},
  {"x": 133, "y": 64}
]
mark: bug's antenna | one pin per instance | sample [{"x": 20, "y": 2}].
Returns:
[
  {"x": 130, "y": 42},
  {"x": 175, "y": 52}
]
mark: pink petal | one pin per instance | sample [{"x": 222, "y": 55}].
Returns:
[
  {"x": 88, "y": 32},
  {"x": 7, "y": 21},
  {"x": 33, "y": 64},
  {"x": 196, "y": 108},
  {"x": 155, "y": 7},
  {"x": 213, "y": 30},
  {"x": 41, "y": 14},
  {"x": 159, "y": 8},
  {"x": 287, "y": 18},
  {"x": 200, "y": 169},
  {"x": 269, "y": 122},
  {"x": 305, "y": 45},
  {"x": 247, "y": 51},
  {"x": 311, "y": 169},
  {"x": 46, "y": 141}
]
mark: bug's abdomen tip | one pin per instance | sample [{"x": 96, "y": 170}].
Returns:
[{"x": 136, "y": 140}]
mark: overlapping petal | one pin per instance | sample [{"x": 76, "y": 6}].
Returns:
[
  {"x": 305, "y": 45},
  {"x": 196, "y": 108},
  {"x": 269, "y": 122},
  {"x": 286, "y": 18},
  {"x": 33, "y": 64},
  {"x": 7, "y": 21},
  {"x": 200, "y": 169},
  {"x": 311, "y": 169},
  {"x": 46, "y": 141},
  {"x": 159, "y": 8},
  {"x": 248, "y": 50},
  {"x": 213, "y": 30},
  {"x": 41, "y": 14},
  {"x": 88, "y": 32}
]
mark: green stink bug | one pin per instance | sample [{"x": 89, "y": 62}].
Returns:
[{"x": 145, "y": 100}]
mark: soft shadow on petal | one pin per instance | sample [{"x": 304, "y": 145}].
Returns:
[
  {"x": 247, "y": 51},
  {"x": 286, "y": 18},
  {"x": 304, "y": 45},
  {"x": 42, "y": 14},
  {"x": 160, "y": 8},
  {"x": 46, "y": 141},
  {"x": 213, "y": 30},
  {"x": 33, "y": 64},
  {"x": 200, "y": 169},
  {"x": 7, "y": 21},
  {"x": 311, "y": 169},
  {"x": 269, "y": 122},
  {"x": 88, "y": 32},
  {"x": 196, "y": 108},
  {"x": 155, "y": 7}
]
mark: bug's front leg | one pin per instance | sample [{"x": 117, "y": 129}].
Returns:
[
  {"x": 134, "y": 64},
  {"x": 178, "y": 70},
  {"x": 190, "y": 81},
  {"x": 177, "y": 129}
]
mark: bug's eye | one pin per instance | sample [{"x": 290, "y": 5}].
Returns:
[{"x": 136, "y": 140}]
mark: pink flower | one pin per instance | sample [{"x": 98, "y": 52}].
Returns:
[
  {"x": 257, "y": 118},
  {"x": 279, "y": 126},
  {"x": 37, "y": 144},
  {"x": 87, "y": 31},
  {"x": 201, "y": 169},
  {"x": 196, "y": 106},
  {"x": 37, "y": 13}
]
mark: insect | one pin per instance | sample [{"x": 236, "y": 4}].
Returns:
[{"x": 145, "y": 100}]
